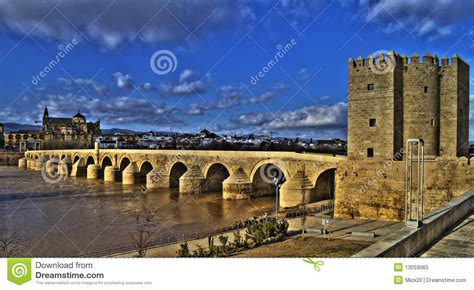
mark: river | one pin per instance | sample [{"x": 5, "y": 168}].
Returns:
[{"x": 78, "y": 216}]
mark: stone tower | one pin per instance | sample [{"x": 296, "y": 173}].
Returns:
[
  {"x": 392, "y": 98},
  {"x": 375, "y": 112}
]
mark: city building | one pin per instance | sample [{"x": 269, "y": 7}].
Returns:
[{"x": 55, "y": 133}]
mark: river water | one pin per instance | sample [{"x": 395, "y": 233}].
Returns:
[{"x": 78, "y": 216}]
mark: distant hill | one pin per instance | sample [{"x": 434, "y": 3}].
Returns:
[
  {"x": 119, "y": 131},
  {"x": 12, "y": 127}
]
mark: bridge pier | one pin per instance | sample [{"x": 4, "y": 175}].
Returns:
[
  {"x": 157, "y": 179},
  {"x": 30, "y": 163},
  {"x": 291, "y": 192},
  {"x": 22, "y": 162},
  {"x": 39, "y": 163},
  {"x": 65, "y": 166},
  {"x": 51, "y": 166},
  {"x": 129, "y": 174},
  {"x": 111, "y": 173},
  {"x": 237, "y": 186},
  {"x": 79, "y": 169},
  {"x": 93, "y": 171},
  {"x": 192, "y": 180}
]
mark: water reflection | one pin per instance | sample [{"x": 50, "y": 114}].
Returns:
[{"x": 80, "y": 215}]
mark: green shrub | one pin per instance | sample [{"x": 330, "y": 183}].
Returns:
[{"x": 183, "y": 250}]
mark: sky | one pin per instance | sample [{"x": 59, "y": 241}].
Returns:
[{"x": 233, "y": 67}]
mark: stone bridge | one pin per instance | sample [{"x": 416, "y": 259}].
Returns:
[{"x": 237, "y": 174}]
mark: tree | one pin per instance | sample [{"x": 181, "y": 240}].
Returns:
[
  {"x": 303, "y": 217},
  {"x": 142, "y": 234},
  {"x": 10, "y": 241}
]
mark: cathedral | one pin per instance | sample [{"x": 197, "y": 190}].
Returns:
[{"x": 56, "y": 133}]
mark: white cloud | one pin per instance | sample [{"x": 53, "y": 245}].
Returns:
[
  {"x": 317, "y": 116},
  {"x": 123, "y": 81},
  {"x": 188, "y": 87},
  {"x": 185, "y": 75},
  {"x": 147, "y": 87},
  {"x": 431, "y": 18},
  {"x": 100, "y": 89},
  {"x": 231, "y": 97},
  {"x": 115, "y": 110},
  {"x": 196, "y": 87},
  {"x": 114, "y": 23}
]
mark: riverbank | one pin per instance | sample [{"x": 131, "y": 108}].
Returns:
[
  {"x": 342, "y": 243},
  {"x": 308, "y": 246},
  {"x": 10, "y": 158}
]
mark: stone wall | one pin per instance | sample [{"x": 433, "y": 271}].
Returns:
[
  {"x": 376, "y": 189},
  {"x": 381, "y": 103},
  {"x": 10, "y": 158}
]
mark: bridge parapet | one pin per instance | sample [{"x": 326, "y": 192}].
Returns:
[{"x": 239, "y": 174}]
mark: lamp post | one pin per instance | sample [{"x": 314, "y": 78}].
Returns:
[{"x": 277, "y": 183}]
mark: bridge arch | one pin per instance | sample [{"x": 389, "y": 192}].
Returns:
[
  {"x": 176, "y": 171},
  {"x": 124, "y": 159},
  {"x": 263, "y": 174},
  {"x": 145, "y": 168},
  {"x": 76, "y": 158},
  {"x": 324, "y": 185},
  {"x": 215, "y": 174},
  {"x": 90, "y": 160},
  {"x": 276, "y": 162},
  {"x": 106, "y": 161},
  {"x": 107, "y": 155}
]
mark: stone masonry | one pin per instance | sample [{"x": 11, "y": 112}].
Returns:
[{"x": 392, "y": 99}]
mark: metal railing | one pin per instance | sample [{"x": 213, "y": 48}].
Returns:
[{"x": 163, "y": 241}]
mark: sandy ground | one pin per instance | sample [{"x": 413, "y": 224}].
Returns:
[
  {"x": 342, "y": 243},
  {"x": 309, "y": 246}
]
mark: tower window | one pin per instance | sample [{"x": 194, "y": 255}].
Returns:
[
  {"x": 370, "y": 87},
  {"x": 370, "y": 152},
  {"x": 372, "y": 122},
  {"x": 432, "y": 122},
  {"x": 426, "y": 90}
]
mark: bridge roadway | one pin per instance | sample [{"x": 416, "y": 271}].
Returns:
[{"x": 237, "y": 174}]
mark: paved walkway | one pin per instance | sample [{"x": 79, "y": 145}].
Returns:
[
  {"x": 341, "y": 229},
  {"x": 457, "y": 243}
]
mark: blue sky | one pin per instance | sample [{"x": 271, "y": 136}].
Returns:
[{"x": 103, "y": 50}]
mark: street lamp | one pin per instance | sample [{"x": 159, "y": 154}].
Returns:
[{"x": 277, "y": 183}]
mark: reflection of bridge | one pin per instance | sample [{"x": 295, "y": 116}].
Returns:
[{"x": 238, "y": 174}]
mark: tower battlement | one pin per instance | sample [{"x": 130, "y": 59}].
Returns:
[
  {"x": 371, "y": 60},
  {"x": 393, "y": 98}
]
